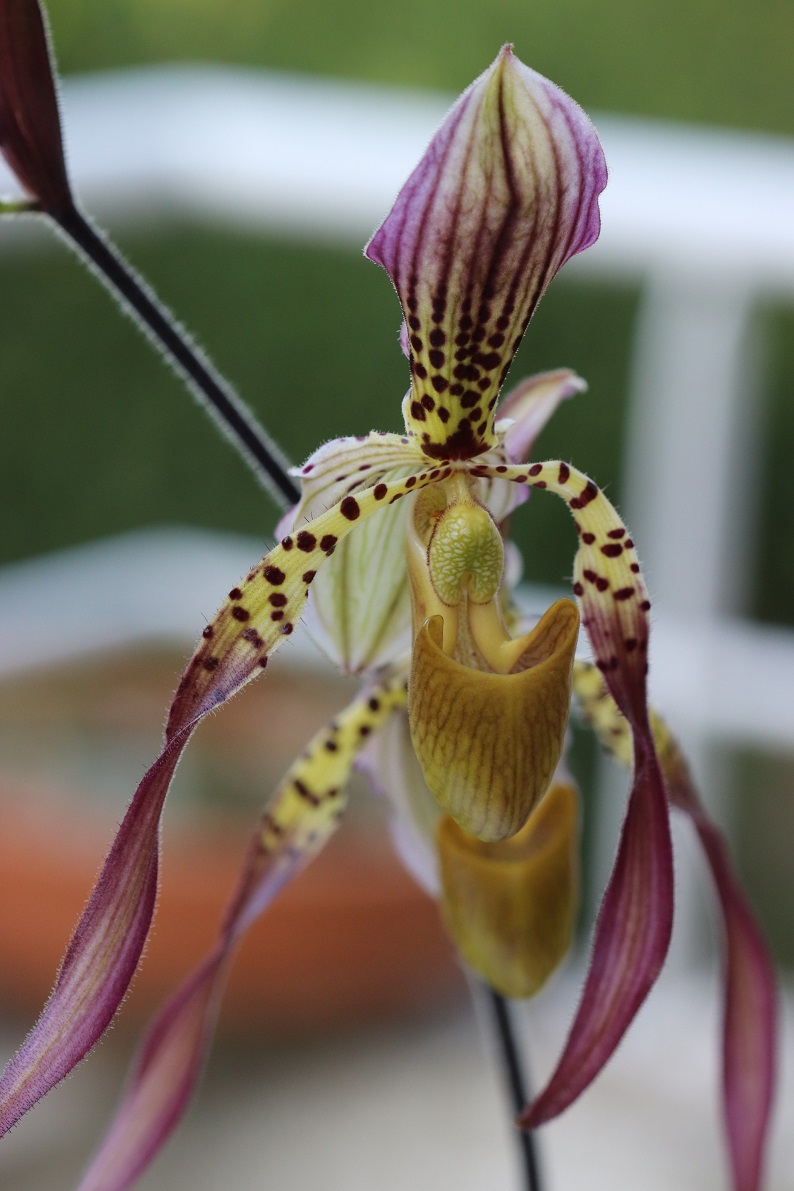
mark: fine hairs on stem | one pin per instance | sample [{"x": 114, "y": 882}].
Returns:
[{"x": 229, "y": 412}]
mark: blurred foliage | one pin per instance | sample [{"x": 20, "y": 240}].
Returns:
[{"x": 716, "y": 61}]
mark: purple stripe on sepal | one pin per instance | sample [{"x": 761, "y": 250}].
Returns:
[
  {"x": 30, "y": 128},
  {"x": 632, "y": 935},
  {"x": 103, "y": 953},
  {"x": 749, "y": 1028},
  {"x": 506, "y": 192}
]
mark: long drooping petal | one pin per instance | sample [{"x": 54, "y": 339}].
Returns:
[
  {"x": 108, "y": 940},
  {"x": 265, "y": 608},
  {"x": 103, "y": 953},
  {"x": 297, "y": 823},
  {"x": 505, "y": 194},
  {"x": 749, "y": 1016},
  {"x": 634, "y": 924},
  {"x": 30, "y": 126}
]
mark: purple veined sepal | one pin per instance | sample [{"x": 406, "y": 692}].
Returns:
[
  {"x": 296, "y": 825},
  {"x": 505, "y": 194},
  {"x": 30, "y": 126}
]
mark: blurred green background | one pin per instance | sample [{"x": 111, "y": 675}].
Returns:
[
  {"x": 111, "y": 441},
  {"x": 99, "y": 437}
]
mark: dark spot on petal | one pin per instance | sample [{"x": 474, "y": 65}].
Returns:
[
  {"x": 274, "y": 575},
  {"x": 240, "y": 613},
  {"x": 349, "y": 508}
]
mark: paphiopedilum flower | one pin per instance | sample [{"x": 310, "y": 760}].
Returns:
[{"x": 398, "y": 530}]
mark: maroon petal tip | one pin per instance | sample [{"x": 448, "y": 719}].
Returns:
[{"x": 30, "y": 126}]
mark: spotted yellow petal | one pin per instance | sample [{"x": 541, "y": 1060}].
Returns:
[
  {"x": 359, "y": 612},
  {"x": 263, "y": 610}
]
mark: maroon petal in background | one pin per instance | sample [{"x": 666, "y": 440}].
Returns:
[{"x": 30, "y": 127}]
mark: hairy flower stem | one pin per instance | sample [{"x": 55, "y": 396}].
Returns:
[
  {"x": 515, "y": 1079},
  {"x": 136, "y": 298}
]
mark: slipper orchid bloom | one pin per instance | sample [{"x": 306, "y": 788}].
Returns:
[{"x": 407, "y": 530}]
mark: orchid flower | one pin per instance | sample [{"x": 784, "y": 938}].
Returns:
[{"x": 397, "y": 554}]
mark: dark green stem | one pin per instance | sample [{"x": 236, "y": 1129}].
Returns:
[
  {"x": 515, "y": 1078},
  {"x": 161, "y": 328}
]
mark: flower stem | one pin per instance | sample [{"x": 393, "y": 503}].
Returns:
[
  {"x": 516, "y": 1081},
  {"x": 137, "y": 300}
]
